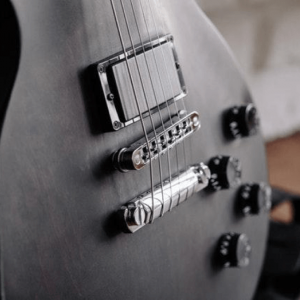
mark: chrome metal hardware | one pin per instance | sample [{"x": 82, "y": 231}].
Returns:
[
  {"x": 163, "y": 88},
  {"x": 141, "y": 211},
  {"x": 137, "y": 156}
]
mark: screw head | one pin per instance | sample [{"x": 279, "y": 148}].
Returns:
[
  {"x": 137, "y": 214},
  {"x": 196, "y": 121},
  {"x": 101, "y": 69},
  {"x": 116, "y": 125},
  {"x": 110, "y": 97}
]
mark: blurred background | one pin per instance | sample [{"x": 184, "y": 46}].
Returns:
[{"x": 265, "y": 38}]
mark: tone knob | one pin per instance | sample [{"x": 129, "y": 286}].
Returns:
[
  {"x": 241, "y": 121},
  {"x": 254, "y": 198},
  {"x": 226, "y": 172},
  {"x": 234, "y": 250}
]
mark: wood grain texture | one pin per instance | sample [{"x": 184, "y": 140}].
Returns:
[{"x": 59, "y": 192}]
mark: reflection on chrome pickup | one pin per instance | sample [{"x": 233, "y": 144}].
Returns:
[
  {"x": 145, "y": 209},
  {"x": 138, "y": 155}
]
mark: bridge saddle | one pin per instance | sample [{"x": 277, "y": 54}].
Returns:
[{"x": 138, "y": 155}]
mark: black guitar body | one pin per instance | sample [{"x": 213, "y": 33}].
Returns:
[{"x": 60, "y": 235}]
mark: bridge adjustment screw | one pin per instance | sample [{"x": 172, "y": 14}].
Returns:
[{"x": 137, "y": 214}]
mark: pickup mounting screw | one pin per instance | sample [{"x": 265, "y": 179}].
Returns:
[
  {"x": 110, "y": 97},
  {"x": 117, "y": 125},
  {"x": 101, "y": 69}
]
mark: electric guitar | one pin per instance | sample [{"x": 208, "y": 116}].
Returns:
[{"x": 131, "y": 163}]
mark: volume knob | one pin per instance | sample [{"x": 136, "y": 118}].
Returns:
[
  {"x": 241, "y": 121},
  {"x": 254, "y": 198},
  {"x": 234, "y": 250},
  {"x": 226, "y": 172}
]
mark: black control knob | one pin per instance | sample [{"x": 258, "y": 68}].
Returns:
[
  {"x": 254, "y": 198},
  {"x": 234, "y": 250},
  {"x": 226, "y": 172},
  {"x": 241, "y": 121}
]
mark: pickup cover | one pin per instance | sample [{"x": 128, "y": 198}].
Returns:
[
  {"x": 163, "y": 85},
  {"x": 156, "y": 79}
]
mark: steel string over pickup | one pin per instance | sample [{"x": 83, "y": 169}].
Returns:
[
  {"x": 141, "y": 211},
  {"x": 137, "y": 156},
  {"x": 158, "y": 88}
]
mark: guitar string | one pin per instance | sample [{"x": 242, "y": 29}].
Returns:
[
  {"x": 136, "y": 100},
  {"x": 182, "y": 100},
  {"x": 156, "y": 99},
  {"x": 163, "y": 90},
  {"x": 175, "y": 104},
  {"x": 147, "y": 104},
  {"x": 163, "y": 24}
]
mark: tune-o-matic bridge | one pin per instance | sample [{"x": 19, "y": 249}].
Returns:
[
  {"x": 144, "y": 210},
  {"x": 138, "y": 155}
]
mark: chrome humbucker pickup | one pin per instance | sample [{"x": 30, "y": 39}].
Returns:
[
  {"x": 147, "y": 207},
  {"x": 138, "y": 155},
  {"x": 140, "y": 80}
]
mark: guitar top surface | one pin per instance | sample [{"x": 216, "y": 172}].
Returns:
[{"x": 61, "y": 236}]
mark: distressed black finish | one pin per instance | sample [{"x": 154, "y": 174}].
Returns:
[{"x": 59, "y": 192}]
